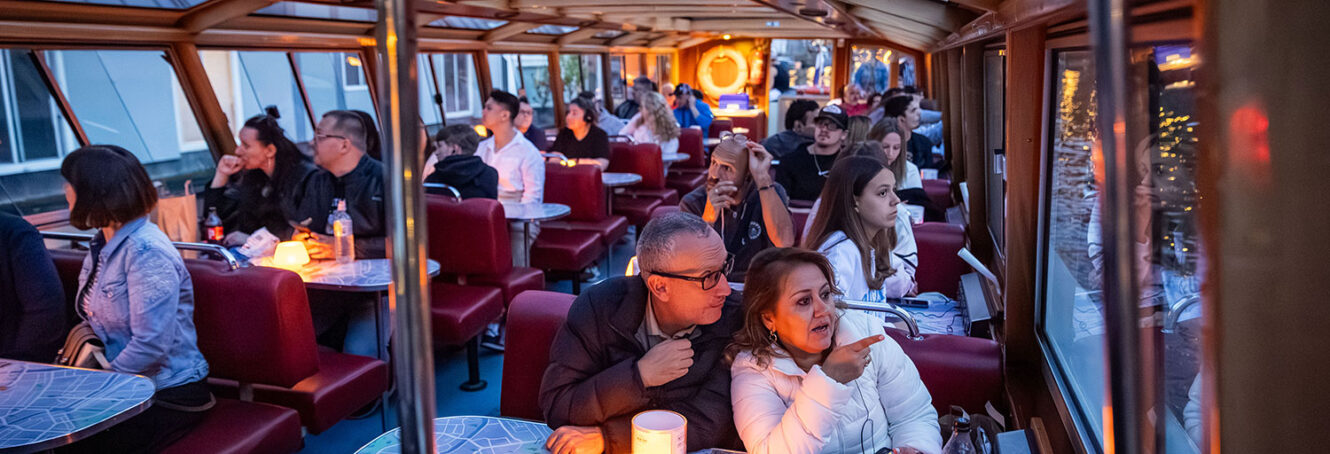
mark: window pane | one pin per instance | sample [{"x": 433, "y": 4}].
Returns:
[
  {"x": 334, "y": 81},
  {"x": 591, "y": 74},
  {"x": 34, "y": 135},
  {"x": 469, "y": 23},
  {"x": 127, "y": 98},
  {"x": 801, "y": 64},
  {"x": 526, "y": 75},
  {"x": 429, "y": 107},
  {"x": 570, "y": 69},
  {"x": 994, "y": 137},
  {"x": 905, "y": 72},
  {"x": 317, "y": 11},
  {"x": 869, "y": 66},
  {"x": 552, "y": 30},
  {"x": 169, "y": 4},
  {"x": 246, "y": 82},
  {"x": 618, "y": 84},
  {"x": 462, "y": 102}
]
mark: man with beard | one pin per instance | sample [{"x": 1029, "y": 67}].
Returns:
[
  {"x": 803, "y": 172},
  {"x": 742, "y": 203}
]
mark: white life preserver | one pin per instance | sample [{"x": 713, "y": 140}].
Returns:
[{"x": 708, "y": 83}]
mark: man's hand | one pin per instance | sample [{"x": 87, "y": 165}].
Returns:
[
  {"x": 576, "y": 440},
  {"x": 846, "y": 363},
  {"x": 759, "y": 163},
  {"x": 319, "y": 247},
  {"x": 227, "y": 166},
  {"x": 666, "y": 362},
  {"x": 722, "y": 195},
  {"x": 235, "y": 239}
]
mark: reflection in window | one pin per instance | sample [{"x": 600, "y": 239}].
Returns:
[
  {"x": 34, "y": 136},
  {"x": 618, "y": 85},
  {"x": 469, "y": 23},
  {"x": 1166, "y": 254},
  {"x": 448, "y": 85},
  {"x": 526, "y": 75},
  {"x": 334, "y": 81},
  {"x": 869, "y": 66},
  {"x": 552, "y": 30},
  {"x": 801, "y": 65},
  {"x": 169, "y": 4},
  {"x": 580, "y": 73},
  {"x": 247, "y": 82},
  {"x": 319, "y": 11}
]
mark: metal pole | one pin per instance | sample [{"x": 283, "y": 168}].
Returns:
[
  {"x": 413, "y": 359},
  {"x": 1108, "y": 37}
]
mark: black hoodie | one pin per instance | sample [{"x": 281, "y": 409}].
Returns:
[{"x": 468, "y": 174}]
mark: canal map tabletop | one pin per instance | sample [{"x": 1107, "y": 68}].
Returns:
[
  {"x": 44, "y": 406},
  {"x": 473, "y": 434}
]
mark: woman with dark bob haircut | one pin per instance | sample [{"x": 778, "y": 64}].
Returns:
[
  {"x": 136, "y": 295},
  {"x": 809, "y": 376},
  {"x": 263, "y": 184}
]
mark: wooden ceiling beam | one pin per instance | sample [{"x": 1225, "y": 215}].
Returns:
[
  {"x": 896, "y": 22},
  {"x": 669, "y": 40},
  {"x": 31, "y": 11},
  {"x": 577, "y": 35},
  {"x": 627, "y": 38},
  {"x": 925, "y": 12},
  {"x": 507, "y": 30},
  {"x": 216, "y": 12}
]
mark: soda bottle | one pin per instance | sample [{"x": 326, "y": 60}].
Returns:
[
  {"x": 344, "y": 239},
  {"x": 212, "y": 227},
  {"x": 960, "y": 442}
]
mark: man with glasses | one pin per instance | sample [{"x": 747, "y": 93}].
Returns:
[
  {"x": 654, "y": 341},
  {"x": 340, "y": 142},
  {"x": 526, "y": 115},
  {"x": 740, "y": 201},
  {"x": 804, "y": 172}
]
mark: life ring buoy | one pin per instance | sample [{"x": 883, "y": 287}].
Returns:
[{"x": 708, "y": 83}]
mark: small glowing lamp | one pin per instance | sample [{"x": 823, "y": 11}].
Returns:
[
  {"x": 659, "y": 432},
  {"x": 725, "y": 37},
  {"x": 480, "y": 129},
  {"x": 290, "y": 255},
  {"x": 740, "y": 130}
]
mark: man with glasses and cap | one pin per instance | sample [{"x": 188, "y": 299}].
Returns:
[
  {"x": 804, "y": 172},
  {"x": 742, "y": 203},
  {"x": 654, "y": 341},
  {"x": 690, "y": 111}
]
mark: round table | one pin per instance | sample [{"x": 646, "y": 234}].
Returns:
[
  {"x": 472, "y": 434},
  {"x": 44, "y": 406},
  {"x": 671, "y": 158},
  {"x": 613, "y": 180},
  {"x": 710, "y": 142},
  {"x": 526, "y": 213}
]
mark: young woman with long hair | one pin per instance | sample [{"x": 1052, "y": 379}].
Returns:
[
  {"x": 889, "y": 135},
  {"x": 654, "y": 123},
  {"x": 809, "y": 376}
]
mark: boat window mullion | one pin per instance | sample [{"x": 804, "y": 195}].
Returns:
[{"x": 48, "y": 78}]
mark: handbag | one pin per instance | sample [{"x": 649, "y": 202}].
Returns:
[{"x": 83, "y": 349}]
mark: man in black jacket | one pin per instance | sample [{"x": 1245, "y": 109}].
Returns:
[
  {"x": 32, "y": 300},
  {"x": 458, "y": 166},
  {"x": 649, "y": 342},
  {"x": 340, "y": 143}
]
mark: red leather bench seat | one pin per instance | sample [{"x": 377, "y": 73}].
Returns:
[
  {"x": 461, "y": 312},
  {"x": 940, "y": 268},
  {"x": 957, "y": 370},
  {"x": 237, "y": 427},
  {"x": 533, "y": 319}
]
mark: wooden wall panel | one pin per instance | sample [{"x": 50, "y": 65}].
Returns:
[{"x": 973, "y": 151}]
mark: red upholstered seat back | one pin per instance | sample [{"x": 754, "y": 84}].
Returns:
[
  {"x": 468, "y": 236},
  {"x": 939, "y": 192},
  {"x": 957, "y": 370},
  {"x": 642, "y": 159},
  {"x": 68, "y": 263},
  {"x": 579, "y": 187},
  {"x": 940, "y": 268},
  {"x": 756, "y": 125},
  {"x": 720, "y": 125},
  {"x": 690, "y": 142},
  {"x": 533, "y": 319},
  {"x": 253, "y": 324}
]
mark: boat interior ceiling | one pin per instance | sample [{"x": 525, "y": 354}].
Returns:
[{"x": 918, "y": 25}]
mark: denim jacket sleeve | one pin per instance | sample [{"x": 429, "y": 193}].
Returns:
[{"x": 154, "y": 296}]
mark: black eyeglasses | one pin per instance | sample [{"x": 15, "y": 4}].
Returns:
[{"x": 708, "y": 280}]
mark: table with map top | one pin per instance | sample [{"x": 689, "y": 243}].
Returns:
[
  {"x": 44, "y": 406},
  {"x": 472, "y": 434}
]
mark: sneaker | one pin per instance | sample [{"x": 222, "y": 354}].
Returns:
[{"x": 494, "y": 343}]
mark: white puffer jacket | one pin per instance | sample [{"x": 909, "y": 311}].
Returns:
[{"x": 783, "y": 409}]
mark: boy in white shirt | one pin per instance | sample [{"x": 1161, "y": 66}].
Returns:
[{"x": 521, "y": 170}]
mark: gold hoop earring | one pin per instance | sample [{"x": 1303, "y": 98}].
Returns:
[{"x": 771, "y": 337}]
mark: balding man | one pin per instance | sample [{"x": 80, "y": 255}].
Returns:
[
  {"x": 340, "y": 143},
  {"x": 655, "y": 341},
  {"x": 741, "y": 201}
]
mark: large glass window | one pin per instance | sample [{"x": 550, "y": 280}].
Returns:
[
  {"x": 334, "y": 81},
  {"x": 526, "y": 75},
  {"x": 995, "y": 130},
  {"x": 246, "y": 82},
  {"x": 580, "y": 73},
  {"x": 449, "y": 86},
  {"x": 870, "y": 68},
  {"x": 801, "y": 65},
  {"x": 1165, "y": 244},
  {"x": 34, "y": 136},
  {"x": 319, "y": 11}
]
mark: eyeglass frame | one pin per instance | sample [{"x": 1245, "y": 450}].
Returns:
[
  {"x": 702, "y": 280},
  {"x": 321, "y": 137},
  {"x": 737, "y": 136}
]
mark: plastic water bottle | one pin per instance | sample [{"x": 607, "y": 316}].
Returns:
[
  {"x": 212, "y": 227},
  {"x": 960, "y": 442},
  {"x": 344, "y": 240}
]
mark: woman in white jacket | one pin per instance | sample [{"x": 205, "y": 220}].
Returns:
[
  {"x": 855, "y": 227},
  {"x": 809, "y": 377}
]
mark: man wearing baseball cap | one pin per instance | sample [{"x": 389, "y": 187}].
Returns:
[
  {"x": 690, "y": 111},
  {"x": 803, "y": 172}
]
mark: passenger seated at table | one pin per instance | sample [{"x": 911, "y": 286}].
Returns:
[
  {"x": 852, "y": 100},
  {"x": 905, "y": 110},
  {"x": 855, "y": 227},
  {"x": 581, "y": 140},
  {"x": 904, "y": 246},
  {"x": 262, "y": 185},
  {"x": 32, "y": 299},
  {"x": 455, "y": 164},
  {"x": 805, "y": 171},
  {"x": 800, "y": 126},
  {"x": 136, "y": 295},
  {"x": 809, "y": 376},
  {"x": 654, "y": 123},
  {"x": 741, "y": 202},
  {"x": 521, "y": 169},
  {"x": 649, "y": 342},
  {"x": 349, "y": 174},
  {"x": 690, "y": 111},
  {"x": 525, "y": 116},
  {"x": 629, "y": 107},
  {"x": 604, "y": 119}
]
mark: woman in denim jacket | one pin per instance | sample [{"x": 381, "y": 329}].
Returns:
[{"x": 136, "y": 294}]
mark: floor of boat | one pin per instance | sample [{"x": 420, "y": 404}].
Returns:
[{"x": 449, "y": 372}]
